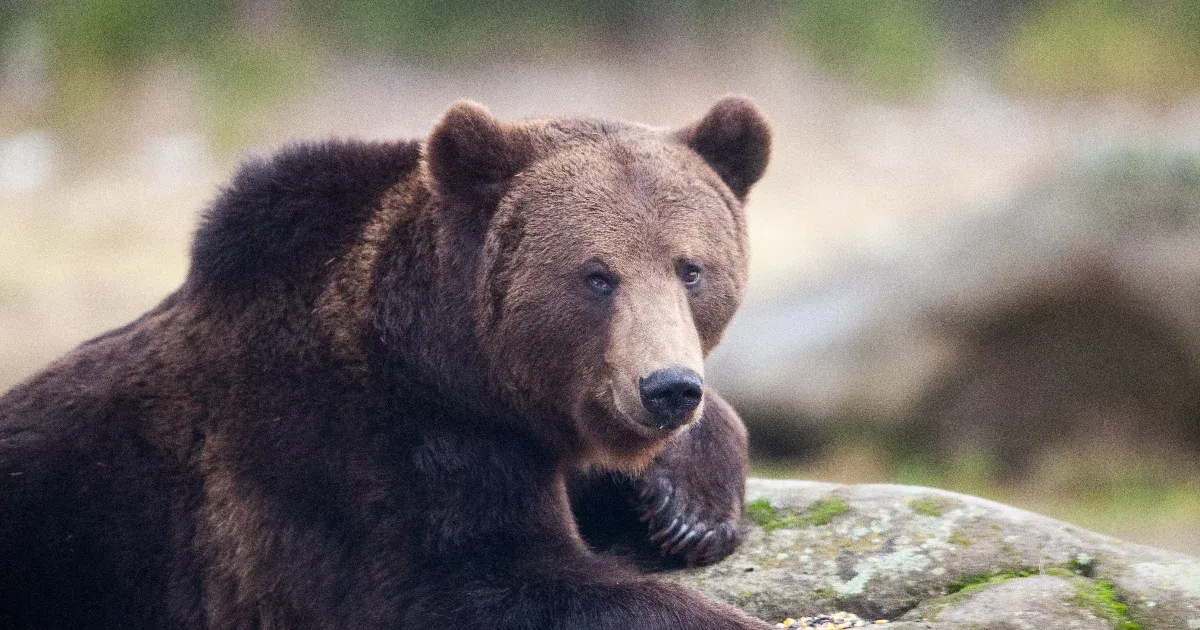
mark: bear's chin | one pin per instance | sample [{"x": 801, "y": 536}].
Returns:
[
  {"x": 634, "y": 463},
  {"x": 614, "y": 441}
]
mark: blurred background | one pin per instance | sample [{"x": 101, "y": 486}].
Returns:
[{"x": 976, "y": 253}]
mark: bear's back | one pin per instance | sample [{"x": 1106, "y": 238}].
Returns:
[
  {"x": 83, "y": 479},
  {"x": 114, "y": 423},
  {"x": 285, "y": 216}
]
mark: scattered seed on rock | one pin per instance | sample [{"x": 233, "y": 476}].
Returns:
[{"x": 831, "y": 621}]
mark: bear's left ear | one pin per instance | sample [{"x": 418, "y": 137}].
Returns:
[
  {"x": 735, "y": 139},
  {"x": 471, "y": 156}
]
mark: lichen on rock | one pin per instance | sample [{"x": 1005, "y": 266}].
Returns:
[{"x": 934, "y": 559}]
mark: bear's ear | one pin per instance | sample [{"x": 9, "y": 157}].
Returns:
[
  {"x": 471, "y": 156},
  {"x": 735, "y": 139}
]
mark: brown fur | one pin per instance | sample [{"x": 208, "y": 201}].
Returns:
[
  {"x": 343, "y": 310},
  {"x": 366, "y": 403}
]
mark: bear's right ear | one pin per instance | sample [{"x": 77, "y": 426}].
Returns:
[
  {"x": 471, "y": 156},
  {"x": 735, "y": 139}
]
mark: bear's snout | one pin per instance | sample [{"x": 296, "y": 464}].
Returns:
[{"x": 671, "y": 395}]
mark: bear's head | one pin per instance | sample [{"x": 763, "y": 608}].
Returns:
[{"x": 609, "y": 258}]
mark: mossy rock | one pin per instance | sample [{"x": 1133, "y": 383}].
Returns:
[{"x": 929, "y": 558}]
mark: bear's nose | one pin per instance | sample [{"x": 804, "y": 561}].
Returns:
[{"x": 670, "y": 395}]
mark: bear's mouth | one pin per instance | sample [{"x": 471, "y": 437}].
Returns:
[
  {"x": 627, "y": 413},
  {"x": 616, "y": 439}
]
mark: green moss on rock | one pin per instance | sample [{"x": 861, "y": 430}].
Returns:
[
  {"x": 1102, "y": 599},
  {"x": 925, "y": 507},
  {"x": 762, "y": 512},
  {"x": 977, "y": 581},
  {"x": 960, "y": 539},
  {"x": 817, "y": 513},
  {"x": 823, "y": 511}
]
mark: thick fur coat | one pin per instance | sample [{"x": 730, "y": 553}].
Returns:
[{"x": 391, "y": 373}]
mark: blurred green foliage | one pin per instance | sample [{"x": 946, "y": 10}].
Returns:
[
  {"x": 892, "y": 45},
  {"x": 895, "y": 47},
  {"x": 1093, "y": 47},
  {"x": 123, "y": 33},
  {"x": 246, "y": 75},
  {"x": 454, "y": 30}
]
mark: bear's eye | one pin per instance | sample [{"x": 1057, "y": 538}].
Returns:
[
  {"x": 600, "y": 283},
  {"x": 689, "y": 273}
]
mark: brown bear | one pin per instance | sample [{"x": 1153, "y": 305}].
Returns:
[{"x": 391, "y": 373}]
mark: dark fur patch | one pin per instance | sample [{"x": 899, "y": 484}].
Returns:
[{"x": 283, "y": 217}]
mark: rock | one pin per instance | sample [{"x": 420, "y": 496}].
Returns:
[
  {"x": 928, "y": 558},
  {"x": 1035, "y": 602}
]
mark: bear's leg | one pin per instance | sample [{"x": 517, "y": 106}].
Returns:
[
  {"x": 692, "y": 496},
  {"x": 571, "y": 591},
  {"x": 685, "y": 507}
]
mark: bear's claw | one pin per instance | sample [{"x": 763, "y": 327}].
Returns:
[
  {"x": 680, "y": 531},
  {"x": 648, "y": 494}
]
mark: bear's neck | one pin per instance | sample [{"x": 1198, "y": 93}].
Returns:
[
  {"x": 423, "y": 339},
  {"x": 417, "y": 308}
]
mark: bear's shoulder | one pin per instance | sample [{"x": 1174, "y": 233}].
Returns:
[{"x": 285, "y": 214}]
